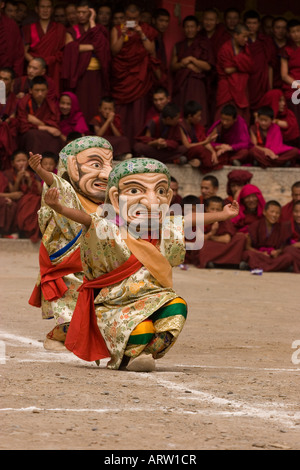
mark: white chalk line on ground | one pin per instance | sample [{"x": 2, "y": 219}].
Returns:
[
  {"x": 278, "y": 412},
  {"x": 47, "y": 356}
]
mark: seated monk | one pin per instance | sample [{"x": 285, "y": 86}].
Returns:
[
  {"x": 24, "y": 182},
  {"x": 230, "y": 137},
  {"x": 236, "y": 180},
  {"x": 200, "y": 152},
  {"x": 293, "y": 247},
  {"x": 8, "y": 209},
  {"x": 266, "y": 240},
  {"x": 162, "y": 137},
  {"x": 283, "y": 116},
  {"x": 209, "y": 187},
  {"x": 36, "y": 67},
  {"x": 287, "y": 209},
  {"x": 268, "y": 148},
  {"x": 108, "y": 124},
  {"x": 222, "y": 245},
  {"x": 251, "y": 203},
  {"x": 8, "y": 121},
  {"x": 38, "y": 119}
]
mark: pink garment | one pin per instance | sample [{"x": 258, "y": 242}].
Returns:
[
  {"x": 274, "y": 140},
  {"x": 75, "y": 121},
  {"x": 237, "y": 136},
  {"x": 246, "y": 191}
]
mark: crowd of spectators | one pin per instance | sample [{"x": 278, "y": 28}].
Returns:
[{"x": 227, "y": 95}]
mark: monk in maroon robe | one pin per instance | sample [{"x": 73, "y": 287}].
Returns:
[
  {"x": 262, "y": 53},
  {"x": 8, "y": 121},
  {"x": 86, "y": 61},
  {"x": 280, "y": 40},
  {"x": 192, "y": 59},
  {"x": 133, "y": 70},
  {"x": 8, "y": 207},
  {"x": 230, "y": 137},
  {"x": 268, "y": 147},
  {"x": 46, "y": 39},
  {"x": 294, "y": 241},
  {"x": 217, "y": 35},
  {"x": 162, "y": 137},
  {"x": 161, "y": 20},
  {"x": 38, "y": 119},
  {"x": 251, "y": 206},
  {"x": 200, "y": 152},
  {"x": 287, "y": 209},
  {"x": 11, "y": 45},
  {"x": 107, "y": 124},
  {"x": 236, "y": 180},
  {"x": 266, "y": 241},
  {"x": 24, "y": 180},
  {"x": 283, "y": 116},
  {"x": 35, "y": 68},
  {"x": 234, "y": 65},
  {"x": 290, "y": 68},
  {"x": 222, "y": 244}
]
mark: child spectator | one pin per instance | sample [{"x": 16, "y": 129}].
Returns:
[
  {"x": 222, "y": 245},
  {"x": 8, "y": 208},
  {"x": 200, "y": 151},
  {"x": 266, "y": 241},
  {"x": 162, "y": 137},
  {"x": 160, "y": 99},
  {"x": 230, "y": 136},
  {"x": 21, "y": 179},
  {"x": 107, "y": 124},
  {"x": 49, "y": 162},
  {"x": 71, "y": 116},
  {"x": 269, "y": 149}
]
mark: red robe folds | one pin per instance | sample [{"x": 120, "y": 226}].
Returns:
[
  {"x": 22, "y": 85},
  {"x": 292, "y": 132},
  {"x": 266, "y": 242},
  {"x": 8, "y": 222},
  {"x": 132, "y": 68},
  {"x": 89, "y": 84},
  {"x": 8, "y": 130},
  {"x": 120, "y": 144},
  {"x": 187, "y": 84},
  {"x": 27, "y": 207},
  {"x": 219, "y": 252},
  {"x": 47, "y": 45},
  {"x": 292, "y": 249},
  {"x": 32, "y": 139},
  {"x": 233, "y": 87},
  {"x": 262, "y": 53},
  {"x": 11, "y": 45},
  {"x": 194, "y": 134},
  {"x": 171, "y": 134}
]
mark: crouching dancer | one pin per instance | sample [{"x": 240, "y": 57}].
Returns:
[{"x": 127, "y": 309}]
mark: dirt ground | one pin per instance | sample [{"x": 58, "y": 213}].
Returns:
[{"x": 230, "y": 382}]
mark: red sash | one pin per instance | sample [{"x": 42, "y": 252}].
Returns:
[
  {"x": 52, "y": 285},
  {"x": 84, "y": 338},
  {"x": 35, "y": 39}
]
